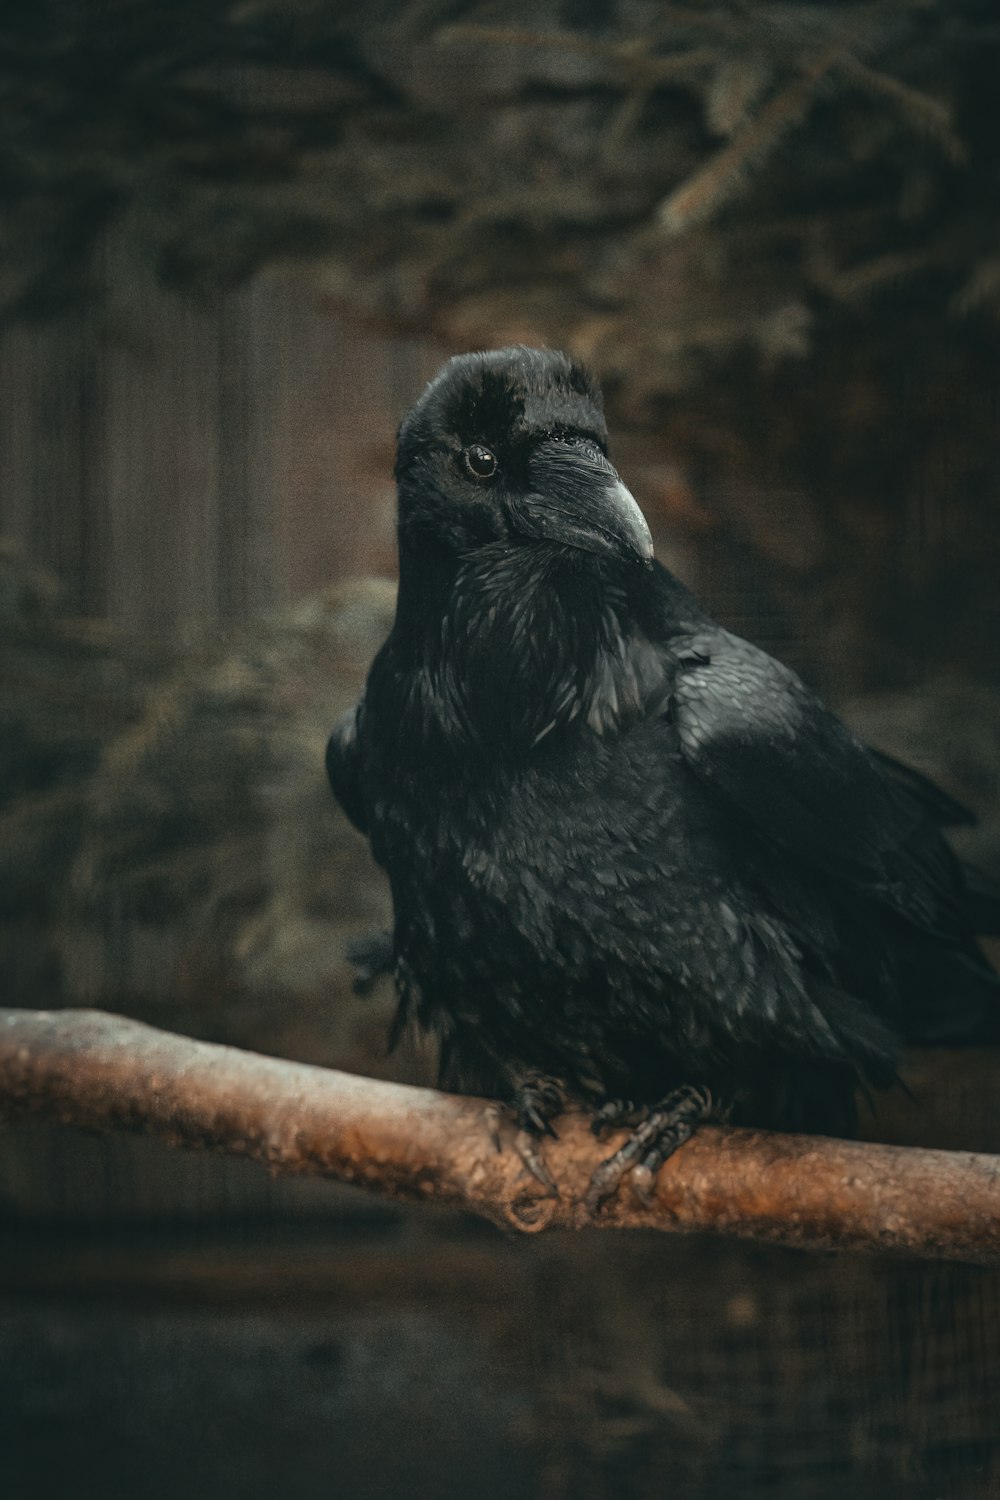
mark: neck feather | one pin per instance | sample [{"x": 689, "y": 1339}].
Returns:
[{"x": 517, "y": 642}]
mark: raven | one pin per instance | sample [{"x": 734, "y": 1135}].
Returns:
[{"x": 635, "y": 863}]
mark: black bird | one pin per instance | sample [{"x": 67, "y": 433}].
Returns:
[{"x": 635, "y": 863}]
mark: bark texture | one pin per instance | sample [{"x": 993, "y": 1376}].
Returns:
[{"x": 99, "y": 1071}]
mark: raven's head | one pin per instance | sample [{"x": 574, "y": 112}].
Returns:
[{"x": 511, "y": 445}]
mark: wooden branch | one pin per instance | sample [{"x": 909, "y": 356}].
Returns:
[{"x": 85, "y": 1068}]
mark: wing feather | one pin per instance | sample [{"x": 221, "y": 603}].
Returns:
[{"x": 789, "y": 767}]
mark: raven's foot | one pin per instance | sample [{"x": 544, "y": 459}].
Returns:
[
  {"x": 538, "y": 1098},
  {"x": 526, "y": 1146},
  {"x": 664, "y": 1127},
  {"x": 614, "y": 1113},
  {"x": 372, "y": 956}
]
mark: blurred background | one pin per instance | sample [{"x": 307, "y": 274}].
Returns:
[{"x": 236, "y": 240}]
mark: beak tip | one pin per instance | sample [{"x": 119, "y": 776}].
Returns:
[{"x": 640, "y": 539}]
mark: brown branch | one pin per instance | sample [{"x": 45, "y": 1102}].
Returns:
[{"x": 85, "y": 1068}]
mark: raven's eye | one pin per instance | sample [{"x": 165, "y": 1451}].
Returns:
[{"x": 479, "y": 461}]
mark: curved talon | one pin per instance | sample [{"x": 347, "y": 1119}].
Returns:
[
  {"x": 533, "y": 1119},
  {"x": 494, "y": 1115},
  {"x": 524, "y": 1145},
  {"x": 666, "y": 1126},
  {"x": 537, "y": 1099}
]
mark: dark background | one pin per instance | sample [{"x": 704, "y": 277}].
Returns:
[{"x": 234, "y": 242}]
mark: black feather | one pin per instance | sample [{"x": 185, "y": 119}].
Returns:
[{"x": 343, "y": 768}]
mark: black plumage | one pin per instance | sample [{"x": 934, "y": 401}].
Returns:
[{"x": 629, "y": 852}]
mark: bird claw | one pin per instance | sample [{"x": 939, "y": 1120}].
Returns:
[
  {"x": 533, "y": 1120},
  {"x": 495, "y": 1117},
  {"x": 666, "y": 1126},
  {"x": 524, "y": 1145},
  {"x": 614, "y": 1113},
  {"x": 537, "y": 1100}
]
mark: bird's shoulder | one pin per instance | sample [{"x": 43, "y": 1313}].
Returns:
[
  {"x": 729, "y": 695},
  {"x": 789, "y": 769}
]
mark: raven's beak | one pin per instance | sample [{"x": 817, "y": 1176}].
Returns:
[{"x": 575, "y": 497}]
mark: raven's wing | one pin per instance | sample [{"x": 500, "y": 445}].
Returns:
[
  {"x": 945, "y": 810},
  {"x": 343, "y": 767},
  {"x": 752, "y": 730},
  {"x": 982, "y": 892}
]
